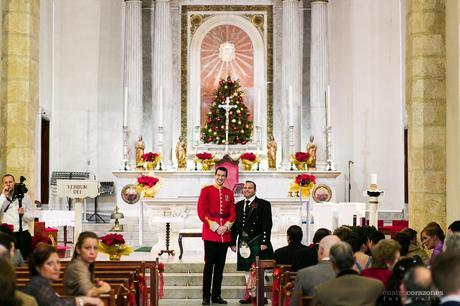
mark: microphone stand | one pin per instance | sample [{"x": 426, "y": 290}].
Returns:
[{"x": 350, "y": 162}]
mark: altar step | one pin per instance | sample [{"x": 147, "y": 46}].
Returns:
[{"x": 183, "y": 281}]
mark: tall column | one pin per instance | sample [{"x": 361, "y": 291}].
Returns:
[
  {"x": 291, "y": 80},
  {"x": 426, "y": 108},
  {"x": 19, "y": 101},
  {"x": 319, "y": 74},
  {"x": 132, "y": 79},
  {"x": 162, "y": 81}
]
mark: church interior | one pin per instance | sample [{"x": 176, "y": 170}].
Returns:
[{"x": 118, "y": 114}]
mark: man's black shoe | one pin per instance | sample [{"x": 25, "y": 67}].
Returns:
[
  {"x": 265, "y": 301},
  {"x": 219, "y": 300},
  {"x": 246, "y": 301},
  {"x": 205, "y": 302}
]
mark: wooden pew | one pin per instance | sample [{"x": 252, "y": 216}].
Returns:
[
  {"x": 261, "y": 288},
  {"x": 286, "y": 289},
  {"x": 305, "y": 300}
]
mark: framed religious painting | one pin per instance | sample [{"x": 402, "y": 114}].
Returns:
[
  {"x": 322, "y": 193},
  {"x": 129, "y": 194}
]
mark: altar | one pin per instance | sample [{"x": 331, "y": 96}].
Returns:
[{"x": 178, "y": 196}]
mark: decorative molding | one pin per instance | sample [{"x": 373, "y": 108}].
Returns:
[{"x": 207, "y": 11}]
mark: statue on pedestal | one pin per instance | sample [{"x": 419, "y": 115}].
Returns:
[
  {"x": 271, "y": 152},
  {"x": 311, "y": 149},
  {"x": 140, "y": 146},
  {"x": 181, "y": 153}
]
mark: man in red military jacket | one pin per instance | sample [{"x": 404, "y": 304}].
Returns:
[{"x": 216, "y": 208}]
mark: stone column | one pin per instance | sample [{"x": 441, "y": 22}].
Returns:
[
  {"x": 319, "y": 74},
  {"x": 19, "y": 101},
  {"x": 426, "y": 107},
  {"x": 132, "y": 78},
  {"x": 291, "y": 79},
  {"x": 162, "y": 81}
]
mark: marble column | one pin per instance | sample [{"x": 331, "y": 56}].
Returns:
[
  {"x": 291, "y": 80},
  {"x": 426, "y": 110},
  {"x": 132, "y": 70},
  {"x": 19, "y": 89},
  {"x": 162, "y": 107},
  {"x": 319, "y": 75}
]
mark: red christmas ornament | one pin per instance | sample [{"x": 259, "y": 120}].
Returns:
[
  {"x": 243, "y": 142},
  {"x": 218, "y": 119},
  {"x": 240, "y": 99},
  {"x": 209, "y": 120}
]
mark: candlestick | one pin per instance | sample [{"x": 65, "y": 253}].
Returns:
[
  {"x": 328, "y": 106},
  {"x": 258, "y": 106},
  {"x": 125, "y": 107},
  {"x": 291, "y": 106}
]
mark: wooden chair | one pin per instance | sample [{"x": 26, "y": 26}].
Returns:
[{"x": 287, "y": 280}]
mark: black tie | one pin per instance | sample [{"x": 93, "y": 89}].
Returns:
[{"x": 247, "y": 204}]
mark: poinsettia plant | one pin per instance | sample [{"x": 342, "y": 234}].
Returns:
[
  {"x": 146, "y": 180},
  {"x": 150, "y": 157},
  {"x": 111, "y": 239},
  {"x": 249, "y": 156},
  {"x": 305, "y": 179},
  {"x": 204, "y": 156},
  {"x": 301, "y": 157}
]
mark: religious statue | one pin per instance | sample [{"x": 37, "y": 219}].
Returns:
[
  {"x": 140, "y": 146},
  {"x": 311, "y": 149},
  {"x": 271, "y": 152},
  {"x": 181, "y": 153}
]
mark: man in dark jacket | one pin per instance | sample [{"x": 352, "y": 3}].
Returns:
[
  {"x": 285, "y": 255},
  {"x": 252, "y": 229}
]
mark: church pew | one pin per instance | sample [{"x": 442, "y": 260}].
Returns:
[
  {"x": 286, "y": 289},
  {"x": 261, "y": 288}
]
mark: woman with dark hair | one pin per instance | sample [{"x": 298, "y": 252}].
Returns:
[
  {"x": 432, "y": 237},
  {"x": 45, "y": 267},
  {"x": 358, "y": 243},
  {"x": 8, "y": 293},
  {"x": 79, "y": 273}
]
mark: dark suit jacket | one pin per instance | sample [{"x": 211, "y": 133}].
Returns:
[
  {"x": 285, "y": 255},
  {"x": 258, "y": 221},
  {"x": 305, "y": 257},
  {"x": 451, "y": 303},
  {"x": 348, "y": 289}
]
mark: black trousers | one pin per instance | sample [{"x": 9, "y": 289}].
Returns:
[
  {"x": 24, "y": 243},
  {"x": 215, "y": 254}
]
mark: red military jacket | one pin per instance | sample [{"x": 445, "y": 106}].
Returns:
[{"x": 216, "y": 207}]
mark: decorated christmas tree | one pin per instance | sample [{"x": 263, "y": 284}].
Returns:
[{"x": 239, "y": 125}]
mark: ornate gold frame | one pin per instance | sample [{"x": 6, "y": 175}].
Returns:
[{"x": 185, "y": 9}]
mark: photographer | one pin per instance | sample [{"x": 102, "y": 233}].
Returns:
[{"x": 10, "y": 212}]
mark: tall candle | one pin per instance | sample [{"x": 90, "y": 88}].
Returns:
[
  {"x": 160, "y": 108},
  {"x": 291, "y": 106},
  {"x": 258, "y": 108},
  {"x": 328, "y": 106},
  {"x": 125, "y": 107},
  {"x": 374, "y": 179}
]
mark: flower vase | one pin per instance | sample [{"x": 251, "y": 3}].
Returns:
[
  {"x": 300, "y": 165},
  {"x": 206, "y": 165},
  {"x": 114, "y": 257},
  {"x": 305, "y": 190},
  {"x": 150, "y": 165},
  {"x": 247, "y": 165},
  {"x": 148, "y": 192}
]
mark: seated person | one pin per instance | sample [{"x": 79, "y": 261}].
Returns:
[
  {"x": 415, "y": 249},
  {"x": 384, "y": 257},
  {"x": 285, "y": 255},
  {"x": 454, "y": 227},
  {"x": 79, "y": 273},
  {"x": 404, "y": 242},
  {"x": 16, "y": 258},
  {"x": 373, "y": 237},
  {"x": 348, "y": 288},
  {"x": 359, "y": 245},
  {"x": 306, "y": 257},
  {"x": 310, "y": 277},
  {"x": 8, "y": 293},
  {"x": 45, "y": 267}
]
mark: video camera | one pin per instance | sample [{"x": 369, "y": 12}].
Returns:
[{"x": 20, "y": 189}]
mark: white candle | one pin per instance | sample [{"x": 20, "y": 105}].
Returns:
[
  {"x": 125, "y": 107},
  {"x": 291, "y": 106},
  {"x": 258, "y": 108},
  {"x": 160, "y": 108},
  {"x": 373, "y": 179},
  {"x": 328, "y": 106}
]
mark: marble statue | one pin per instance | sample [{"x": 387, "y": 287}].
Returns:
[
  {"x": 140, "y": 146},
  {"x": 311, "y": 149}
]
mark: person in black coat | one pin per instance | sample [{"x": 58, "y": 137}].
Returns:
[
  {"x": 285, "y": 255},
  {"x": 252, "y": 230},
  {"x": 306, "y": 257}
]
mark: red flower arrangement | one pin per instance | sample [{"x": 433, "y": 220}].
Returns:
[
  {"x": 305, "y": 179},
  {"x": 302, "y": 156},
  {"x": 7, "y": 226},
  {"x": 112, "y": 239},
  {"x": 248, "y": 156},
  {"x": 150, "y": 156},
  {"x": 204, "y": 156},
  {"x": 145, "y": 180}
]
